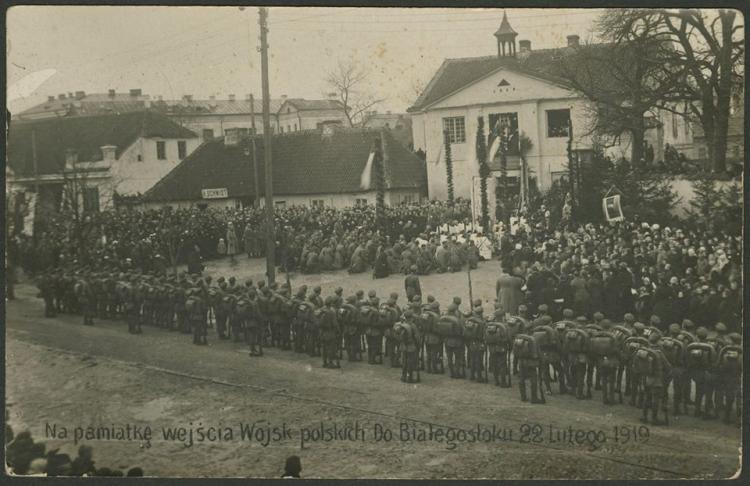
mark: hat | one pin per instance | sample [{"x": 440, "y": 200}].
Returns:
[
  {"x": 687, "y": 324},
  {"x": 522, "y": 308},
  {"x": 598, "y": 316},
  {"x": 568, "y": 313},
  {"x": 720, "y": 327},
  {"x": 675, "y": 328},
  {"x": 701, "y": 332},
  {"x": 629, "y": 318},
  {"x": 655, "y": 320}
]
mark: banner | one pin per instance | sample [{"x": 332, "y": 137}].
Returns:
[{"x": 612, "y": 209}]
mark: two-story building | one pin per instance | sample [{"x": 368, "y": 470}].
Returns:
[
  {"x": 91, "y": 161},
  {"x": 297, "y": 114}
]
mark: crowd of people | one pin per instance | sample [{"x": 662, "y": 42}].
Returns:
[
  {"x": 595, "y": 305},
  {"x": 24, "y": 456},
  {"x": 308, "y": 239}
]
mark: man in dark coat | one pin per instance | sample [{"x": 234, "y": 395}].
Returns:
[{"x": 411, "y": 284}]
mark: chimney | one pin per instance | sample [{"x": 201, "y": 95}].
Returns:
[
  {"x": 135, "y": 92},
  {"x": 61, "y": 96},
  {"x": 187, "y": 97},
  {"x": 231, "y": 97},
  {"x": 80, "y": 95},
  {"x": 573, "y": 40},
  {"x": 108, "y": 152},
  {"x": 50, "y": 98},
  {"x": 111, "y": 93}
]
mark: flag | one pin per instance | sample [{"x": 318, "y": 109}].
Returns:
[
  {"x": 496, "y": 140},
  {"x": 365, "y": 179}
]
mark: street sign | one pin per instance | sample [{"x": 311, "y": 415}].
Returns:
[{"x": 220, "y": 193}]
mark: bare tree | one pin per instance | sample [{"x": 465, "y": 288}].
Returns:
[
  {"x": 347, "y": 80},
  {"x": 708, "y": 49}
]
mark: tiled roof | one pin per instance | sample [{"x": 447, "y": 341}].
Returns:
[
  {"x": 213, "y": 107},
  {"x": 553, "y": 65},
  {"x": 83, "y": 134},
  {"x": 89, "y": 104},
  {"x": 305, "y": 105},
  {"x": 304, "y": 162}
]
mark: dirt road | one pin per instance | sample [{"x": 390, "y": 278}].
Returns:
[{"x": 61, "y": 374}]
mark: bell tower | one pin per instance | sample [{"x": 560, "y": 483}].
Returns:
[{"x": 506, "y": 39}]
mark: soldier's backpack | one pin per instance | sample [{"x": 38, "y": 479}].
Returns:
[
  {"x": 347, "y": 314},
  {"x": 448, "y": 326},
  {"x": 427, "y": 321},
  {"x": 305, "y": 311},
  {"x": 592, "y": 329},
  {"x": 674, "y": 350},
  {"x": 603, "y": 344},
  {"x": 633, "y": 344},
  {"x": 401, "y": 332},
  {"x": 226, "y": 303},
  {"x": 576, "y": 341},
  {"x": 81, "y": 289},
  {"x": 473, "y": 329},
  {"x": 516, "y": 325},
  {"x": 700, "y": 356},
  {"x": 646, "y": 362},
  {"x": 369, "y": 316},
  {"x": 545, "y": 338},
  {"x": 730, "y": 358},
  {"x": 621, "y": 333},
  {"x": 496, "y": 333},
  {"x": 525, "y": 347},
  {"x": 387, "y": 316},
  {"x": 242, "y": 308},
  {"x": 192, "y": 305},
  {"x": 562, "y": 327}
]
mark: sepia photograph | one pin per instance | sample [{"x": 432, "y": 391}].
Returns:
[{"x": 374, "y": 242}]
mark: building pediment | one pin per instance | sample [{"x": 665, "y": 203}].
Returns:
[{"x": 505, "y": 85}]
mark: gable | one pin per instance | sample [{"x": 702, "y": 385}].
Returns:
[{"x": 505, "y": 85}]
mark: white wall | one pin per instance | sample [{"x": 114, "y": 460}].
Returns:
[
  {"x": 530, "y": 99},
  {"x": 307, "y": 120},
  {"x": 133, "y": 176}
]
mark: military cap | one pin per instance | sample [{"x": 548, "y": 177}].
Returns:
[
  {"x": 416, "y": 298},
  {"x": 220, "y": 279},
  {"x": 720, "y": 327},
  {"x": 687, "y": 324},
  {"x": 394, "y": 296},
  {"x": 430, "y": 298},
  {"x": 372, "y": 294},
  {"x": 360, "y": 293},
  {"x": 457, "y": 301},
  {"x": 222, "y": 285},
  {"x": 734, "y": 337},
  {"x": 413, "y": 268},
  {"x": 674, "y": 328},
  {"x": 477, "y": 302},
  {"x": 598, "y": 316},
  {"x": 701, "y": 332},
  {"x": 522, "y": 308},
  {"x": 261, "y": 284},
  {"x": 434, "y": 306},
  {"x": 568, "y": 313},
  {"x": 639, "y": 326},
  {"x": 629, "y": 318},
  {"x": 252, "y": 293},
  {"x": 274, "y": 286},
  {"x": 655, "y": 320},
  {"x": 303, "y": 288},
  {"x": 654, "y": 337},
  {"x": 351, "y": 299},
  {"x": 543, "y": 308},
  {"x": 338, "y": 291},
  {"x": 581, "y": 320},
  {"x": 317, "y": 289},
  {"x": 249, "y": 282},
  {"x": 452, "y": 307},
  {"x": 546, "y": 319},
  {"x": 408, "y": 314}
]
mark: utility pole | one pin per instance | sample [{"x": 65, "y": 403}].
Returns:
[
  {"x": 270, "y": 230},
  {"x": 256, "y": 201}
]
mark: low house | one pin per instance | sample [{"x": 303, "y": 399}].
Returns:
[
  {"x": 318, "y": 168},
  {"x": 91, "y": 161}
]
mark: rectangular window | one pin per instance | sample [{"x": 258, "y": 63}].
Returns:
[
  {"x": 736, "y": 151},
  {"x": 161, "y": 150},
  {"x": 317, "y": 203},
  {"x": 208, "y": 133},
  {"x": 408, "y": 199},
  {"x": 181, "y": 149},
  {"x": 280, "y": 204},
  {"x": 456, "y": 129},
  {"x": 360, "y": 203},
  {"x": 505, "y": 125},
  {"x": 558, "y": 123},
  {"x": 686, "y": 125},
  {"x": 91, "y": 200}
]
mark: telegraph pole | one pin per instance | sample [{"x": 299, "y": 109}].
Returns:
[
  {"x": 256, "y": 201},
  {"x": 270, "y": 230}
]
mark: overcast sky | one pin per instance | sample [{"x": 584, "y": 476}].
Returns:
[{"x": 172, "y": 51}]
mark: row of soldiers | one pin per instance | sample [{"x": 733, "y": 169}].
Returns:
[{"x": 575, "y": 352}]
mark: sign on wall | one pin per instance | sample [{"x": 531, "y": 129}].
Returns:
[{"x": 220, "y": 193}]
